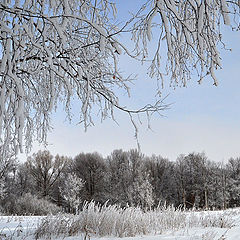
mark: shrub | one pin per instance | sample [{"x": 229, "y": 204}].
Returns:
[{"x": 31, "y": 205}]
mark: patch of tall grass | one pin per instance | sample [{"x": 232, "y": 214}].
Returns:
[{"x": 112, "y": 220}]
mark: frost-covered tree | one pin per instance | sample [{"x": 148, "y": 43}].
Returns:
[
  {"x": 140, "y": 192},
  {"x": 162, "y": 172},
  {"x": 194, "y": 177},
  {"x": 127, "y": 181},
  {"x": 71, "y": 191},
  {"x": 119, "y": 177},
  {"x": 233, "y": 170},
  {"x": 139, "y": 188},
  {"x": 57, "y": 50},
  {"x": 2, "y": 189}
]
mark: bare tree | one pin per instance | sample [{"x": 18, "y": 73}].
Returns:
[
  {"x": 55, "y": 50},
  {"x": 7, "y": 164},
  {"x": 90, "y": 168},
  {"x": 181, "y": 179},
  {"x": 45, "y": 170},
  {"x": 24, "y": 182}
]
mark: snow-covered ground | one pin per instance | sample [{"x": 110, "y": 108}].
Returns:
[{"x": 226, "y": 227}]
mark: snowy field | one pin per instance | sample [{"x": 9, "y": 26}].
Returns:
[{"x": 208, "y": 225}]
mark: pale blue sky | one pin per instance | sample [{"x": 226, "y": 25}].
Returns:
[{"x": 201, "y": 118}]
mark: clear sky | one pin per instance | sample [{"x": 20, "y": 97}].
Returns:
[{"x": 201, "y": 118}]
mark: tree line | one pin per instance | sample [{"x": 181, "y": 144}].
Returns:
[{"x": 126, "y": 178}]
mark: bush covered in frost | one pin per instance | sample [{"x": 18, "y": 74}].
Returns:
[{"x": 29, "y": 204}]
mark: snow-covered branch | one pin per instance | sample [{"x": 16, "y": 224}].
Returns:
[
  {"x": 55, "y": 50},
  {"x": 192, "y": 33}
]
